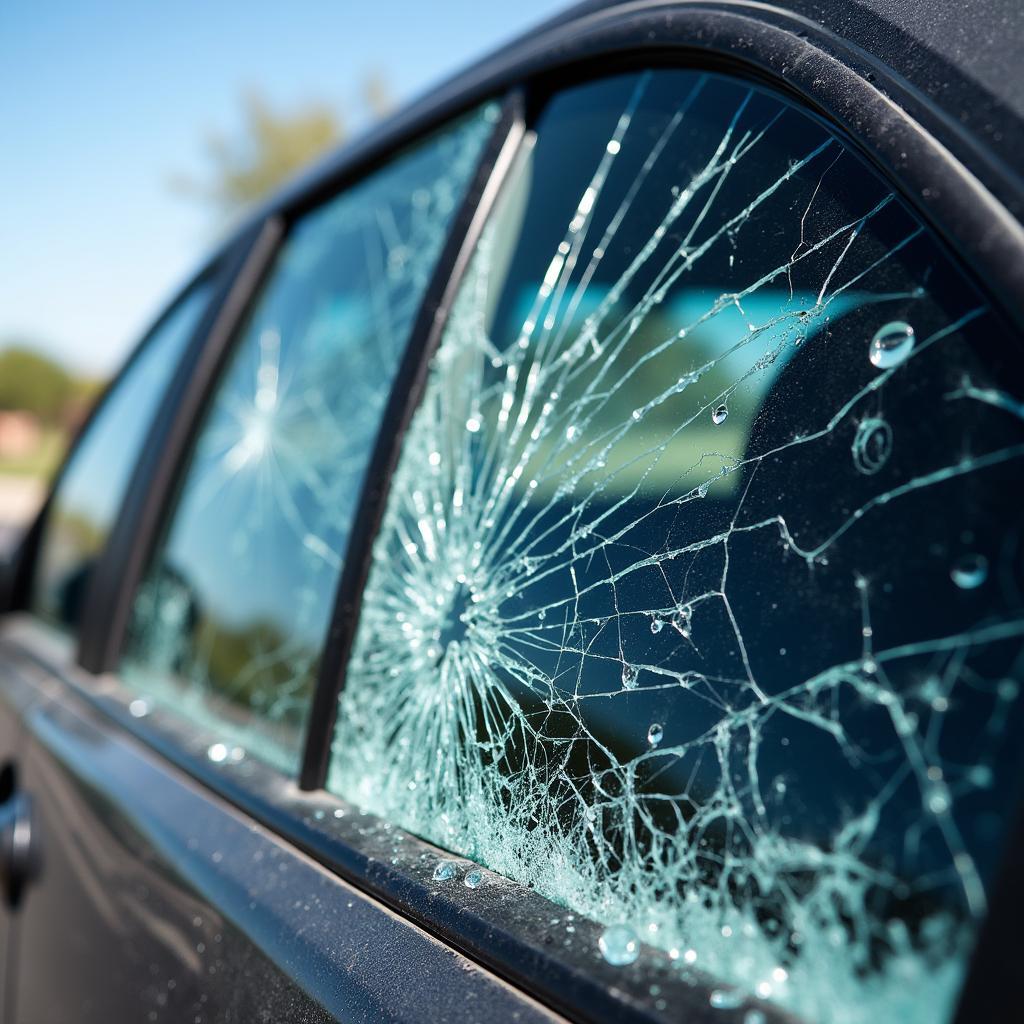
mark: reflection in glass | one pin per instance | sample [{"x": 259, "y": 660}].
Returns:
[{"x": 94, "y": 482}]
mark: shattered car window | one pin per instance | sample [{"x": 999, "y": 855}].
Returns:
[
  {"x": 697, "y": 602},
  {"x": 93, "y": 485},
  {"x": 229, "y": 623}
]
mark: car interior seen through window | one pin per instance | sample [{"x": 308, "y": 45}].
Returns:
[
  {"x": 229, "y": 623},
  {"x": 661, "y": 619}
]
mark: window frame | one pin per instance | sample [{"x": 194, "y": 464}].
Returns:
[
  {"x": 152, "y": 501},
  {"x": 119, "y": 571},
  {"x": 904, "y": 136},
  {"x": 18, "y": 596}
]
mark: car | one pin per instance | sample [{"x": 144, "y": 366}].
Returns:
[{"x": 560, "y": 559}]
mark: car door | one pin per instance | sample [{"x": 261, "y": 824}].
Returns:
[
  {"x": 70, "y": 535},
  {"x": 10, "y": 745},
  {"x": 156, "y": 899}
]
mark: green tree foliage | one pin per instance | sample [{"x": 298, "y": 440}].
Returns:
[
  {"x": 34, "y": 383},
  {"x": 271, "y": 147}
]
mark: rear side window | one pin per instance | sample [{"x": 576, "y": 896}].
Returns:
[
  {"x": 94, "y": 481},
  {"x": 697, "y": 600},
  {"x": 229, "y": 623}
]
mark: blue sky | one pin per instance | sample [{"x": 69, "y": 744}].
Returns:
[{"x": 101, "y": 103}]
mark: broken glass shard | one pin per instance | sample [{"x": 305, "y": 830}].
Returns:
[
  {"x": 619, "y": 945},
  {"x": 445, "y": 871}
]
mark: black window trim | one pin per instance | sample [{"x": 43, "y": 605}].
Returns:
[
  {"x": 406, "y": 390},
  {"x": 913, "y": 145}
]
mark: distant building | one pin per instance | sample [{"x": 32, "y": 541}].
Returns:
[{"x": 20, "y": 434}]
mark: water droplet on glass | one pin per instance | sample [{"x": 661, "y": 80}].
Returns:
[
  {"x": 1007, "y": 689},
  {"x": 630, "y": 675},
  {"x": 969, "y": 572},
  {"x": 724, "y": 999},
  {"x": 891, "y": 344},
  {"x": 655, "y": 734},
  {"x": 619, "y": 945},
  {"x": 937, "y": 798},
  {"x": 445, "y": 871},
  {"x": 719, "y": 414},
  {"x": 217, "y": 752},
  {"x": 474, "y": 879}
]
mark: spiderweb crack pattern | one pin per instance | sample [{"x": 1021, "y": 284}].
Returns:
[{"x": 230, "y": 621}]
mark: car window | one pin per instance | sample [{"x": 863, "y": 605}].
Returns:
[
  {"x": 94, "y": 481},
  {"x": 228, "y": 625},
  {"x": 697, "y": 602}
]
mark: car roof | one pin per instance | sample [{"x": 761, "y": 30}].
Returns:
[
  {"x": 960, "y": 61},
  {"x": 964, "y": 54},
  {"x": 951, "y": 67}
]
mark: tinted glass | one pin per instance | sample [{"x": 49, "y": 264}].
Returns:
[
  {"x": 697, "y": 603},
  {"x": 229, "y": 624},
  {"x": 93, "y": 484}
]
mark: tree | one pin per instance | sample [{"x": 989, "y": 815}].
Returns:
[
  {"x": 31, "y": 382},
  {"x": 271, "y": 147}
]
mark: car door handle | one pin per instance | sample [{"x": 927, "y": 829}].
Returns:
[{"x": 19, "y": 847}]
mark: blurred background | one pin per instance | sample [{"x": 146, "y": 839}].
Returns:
[{"x": 134, "y": 135}]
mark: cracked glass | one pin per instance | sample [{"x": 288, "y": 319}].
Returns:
[
  {"x": 697, "y": 603},
  {"x": 229, "y": 622},
  {"x": 94, "y": 483}
]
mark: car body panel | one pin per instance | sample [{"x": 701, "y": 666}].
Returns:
[
  {"x": 10, "y": 750},
  {"x": 161, "y": 902}
]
